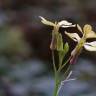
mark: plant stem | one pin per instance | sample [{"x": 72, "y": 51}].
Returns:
[
  {"x": 57, "y": 81},
  {"x": 61, "y": 67},
  {"x": 54, "y": 66}
]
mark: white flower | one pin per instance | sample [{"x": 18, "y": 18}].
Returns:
[
  {"x": 62, "y": 23},
  {"x": 87, "y": 32}
]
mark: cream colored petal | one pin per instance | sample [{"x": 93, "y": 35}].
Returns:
[
  {"x": 65, "y": 24},
  {"x": 46, "y": 22},
  {"x": 87, "y": 29},
  {"x": 73, "y": 36},
  {"x": 90, "y": 46},
  {"x": 91, "y": 43},
  {"x": 79, "y": 28},
  {"x": 91, "y": 34}
]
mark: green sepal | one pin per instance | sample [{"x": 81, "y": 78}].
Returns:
[
  {"x": 59, "y": 42},
  {"x": 66, "y": 48},
  {"x": 62, "y": 53}
]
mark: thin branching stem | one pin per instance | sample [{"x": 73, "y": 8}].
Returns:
[{"x": 60, "y": 68}]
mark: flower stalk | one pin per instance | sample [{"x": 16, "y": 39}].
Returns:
[
  {"x": 62, "y": 49},
  {"x": 58, "y": 46},
  {"x": 87, "y": 33}
]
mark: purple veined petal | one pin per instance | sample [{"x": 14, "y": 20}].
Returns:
[{"x": 90, "y": 46}]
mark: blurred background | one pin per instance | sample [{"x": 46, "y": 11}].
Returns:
[{"x": 25, "y": 57}]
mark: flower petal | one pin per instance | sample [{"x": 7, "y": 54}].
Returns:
[
  {"x": 65, "y": 24},
  {"x": 46, "y": 22},
  {"x": 90, "y": 46},
  {"x": 91, "y": 34},
  {"x": 73, "y": 36},
  {"x": 87, "y": 29},
  {"x": 79, "y": 28}
]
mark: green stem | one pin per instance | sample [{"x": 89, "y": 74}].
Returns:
[
  {"x": 54, "y": 66},
  {"x": 61, "y": 67},
  {"x": 57, "y": 79},
  {"x": 57, "y": 82}
]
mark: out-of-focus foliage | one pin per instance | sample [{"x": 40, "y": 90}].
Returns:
[{"x": 12, "y": 42}]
